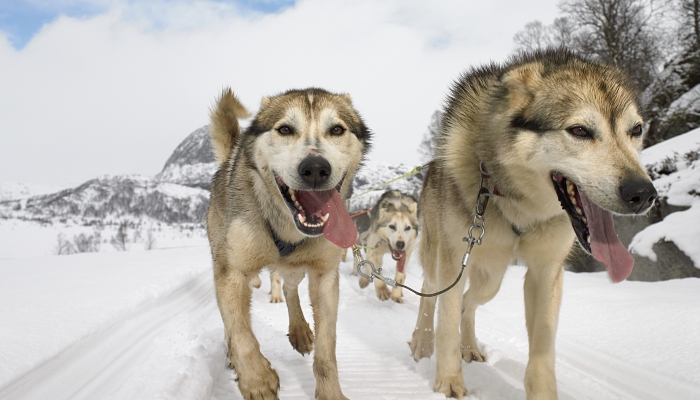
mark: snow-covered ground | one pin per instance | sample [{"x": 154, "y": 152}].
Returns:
[{"x": 144, "y": 324}]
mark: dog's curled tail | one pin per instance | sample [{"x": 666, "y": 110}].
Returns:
[{"x": 225, "y": 131}]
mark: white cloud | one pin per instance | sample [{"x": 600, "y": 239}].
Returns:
[{"x": 115, "y": 93}]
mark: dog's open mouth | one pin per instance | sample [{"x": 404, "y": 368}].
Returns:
[
  {"x": 594, "y": 229},
  {"x": 317, "y": 212},
  {"x": 400, "y": 257}
]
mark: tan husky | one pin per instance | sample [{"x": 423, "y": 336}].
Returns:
[
  {"x": 393, "y": 229},
  {"x": 277, "y": 200},
  {"x": 558, "y": 138}
]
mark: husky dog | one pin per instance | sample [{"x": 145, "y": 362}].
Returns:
[
  {"x": 277, "y": 201},
  {"x": 558, "y": 139},
  {"x": 393, "y": 229}
]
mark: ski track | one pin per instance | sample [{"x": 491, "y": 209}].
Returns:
[{"x": 181, "y": 333}]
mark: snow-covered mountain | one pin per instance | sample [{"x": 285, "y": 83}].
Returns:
[
  {"x": 192, "y": 162},
  {"x": 111, "y": 199},
  {"x": 178, "y": 194}
]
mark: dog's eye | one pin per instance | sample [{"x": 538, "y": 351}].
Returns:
[
  {"x": 579, "y": 131},
  {"x": 636, "y": 131},
  {"x": 285, "y": 130},
  {"x": 337, "y": 130},
  {"x": 408, "y": 228},
  {"x": 392, "y": 227}
]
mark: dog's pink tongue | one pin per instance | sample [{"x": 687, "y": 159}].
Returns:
[
  {"x": 605, "y": 244},
  {"x": 400, "y": 261},
  {"x": 339, "y": 228}
]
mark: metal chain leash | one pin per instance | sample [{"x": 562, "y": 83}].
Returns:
[{"x": 482, "y": 200}]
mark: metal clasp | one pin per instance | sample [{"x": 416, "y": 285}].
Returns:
[{"x": 375, "y": 272}]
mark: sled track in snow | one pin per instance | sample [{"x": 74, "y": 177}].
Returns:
[{"x": 98, "y": 364}]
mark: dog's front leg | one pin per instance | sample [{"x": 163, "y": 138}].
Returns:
[
  {"x": 380, "y": 288},
  {"x": 448, "y": 369},
  {"x": 396, "y": 293},
  {"x": 543, "y": 250},
  {"x": 256, "y": 378},
  {"x": 323, "y": 290},
  {"x": 422, "y": 342},
  {"x": 485, "y": 277},
  {"x": 542, "y": 300},
  {"x": 300, "y": 335},
  {"x": 276, "y": 287}
]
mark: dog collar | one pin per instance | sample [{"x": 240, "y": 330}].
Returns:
[
  {"x": 284, "y": 248},
  {"x": 486, "y": 175}
]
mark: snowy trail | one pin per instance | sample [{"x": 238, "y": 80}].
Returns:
[
  {"x": 170, "y": 345},
  {"x": 97, "y": 365}
]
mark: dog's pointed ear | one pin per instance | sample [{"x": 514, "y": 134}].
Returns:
[
  {"x": 346, "y": 97},
  {"x": 413, "y": 207},
  {"x": 264, "y": 102},
  {"x": 521, "y": 82}
]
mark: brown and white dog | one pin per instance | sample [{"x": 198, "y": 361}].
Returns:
[
  {"x": 393, "y": 228},
  {"x": 559, "y": 137},
  {"x": 277, "y": 200}
]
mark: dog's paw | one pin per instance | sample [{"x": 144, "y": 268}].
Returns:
[
  {"x": 397, "y": 295},
  {"x": 276, "y": 298},
  {"x": 422, "y": 344},
  {"x": 301, "y": 337},
  {"x": 452, "y": 386},
  {"x": 471, "y": 353},
  {"x": 261, "y": 385},
  {"x": 364, "y": 282},
  {"x": 398, "y": 299},
  {"x": 540, "y": 382},
  {"x": 383, "y": 292},
  {"x": 329, "y": 396},
  {"x": 256, "y": 282}
]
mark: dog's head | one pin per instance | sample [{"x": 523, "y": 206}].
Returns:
[
  {"x": 309, "y": 145},
  {"x": 581, "y": 125},
  {"x": 397, "y": 224}
]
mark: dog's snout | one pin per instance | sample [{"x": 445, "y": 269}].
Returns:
[
  {"x": 315, "y": 170},
  {"x": 400, "y": 245},
  {"x": 639, "y": 194}
]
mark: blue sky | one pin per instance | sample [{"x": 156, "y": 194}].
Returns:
[{"x": 20, "y": 20}]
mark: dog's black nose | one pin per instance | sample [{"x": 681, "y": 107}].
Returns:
[
  {"x": 639, "y": 194},
  {"x": 314, "y": 170},
  {"x": 400, "y": 245}
]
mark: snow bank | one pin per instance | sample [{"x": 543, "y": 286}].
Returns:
[{"x": 675, "y": 167}]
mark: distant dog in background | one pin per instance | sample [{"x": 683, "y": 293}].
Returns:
[{"x": 393, "y": 227}]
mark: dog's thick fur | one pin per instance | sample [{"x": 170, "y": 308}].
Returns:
[
  {"x": 393, "y": 229},
  {"x": 539, "y": 121},
  {"x": 259, "y": 170}
]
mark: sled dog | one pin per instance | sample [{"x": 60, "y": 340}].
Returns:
[
  {"x": 393, "y": 229},
  {"x": 277, "y": 201},
  {"x": 558, "y": 138}
]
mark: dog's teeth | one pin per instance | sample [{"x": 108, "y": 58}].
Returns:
[
  {"x": 297, "y": 205},
  {"x": 302, "y": 218},
  {"x": 585, "y": 221},
  {"x": 578, "y": 210},
  {"x": 573, "y": 200},
  {"x": 294, "y": 198},
  {"x": 324, "y": 217},
  {"x": 588, "y": 239}
]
